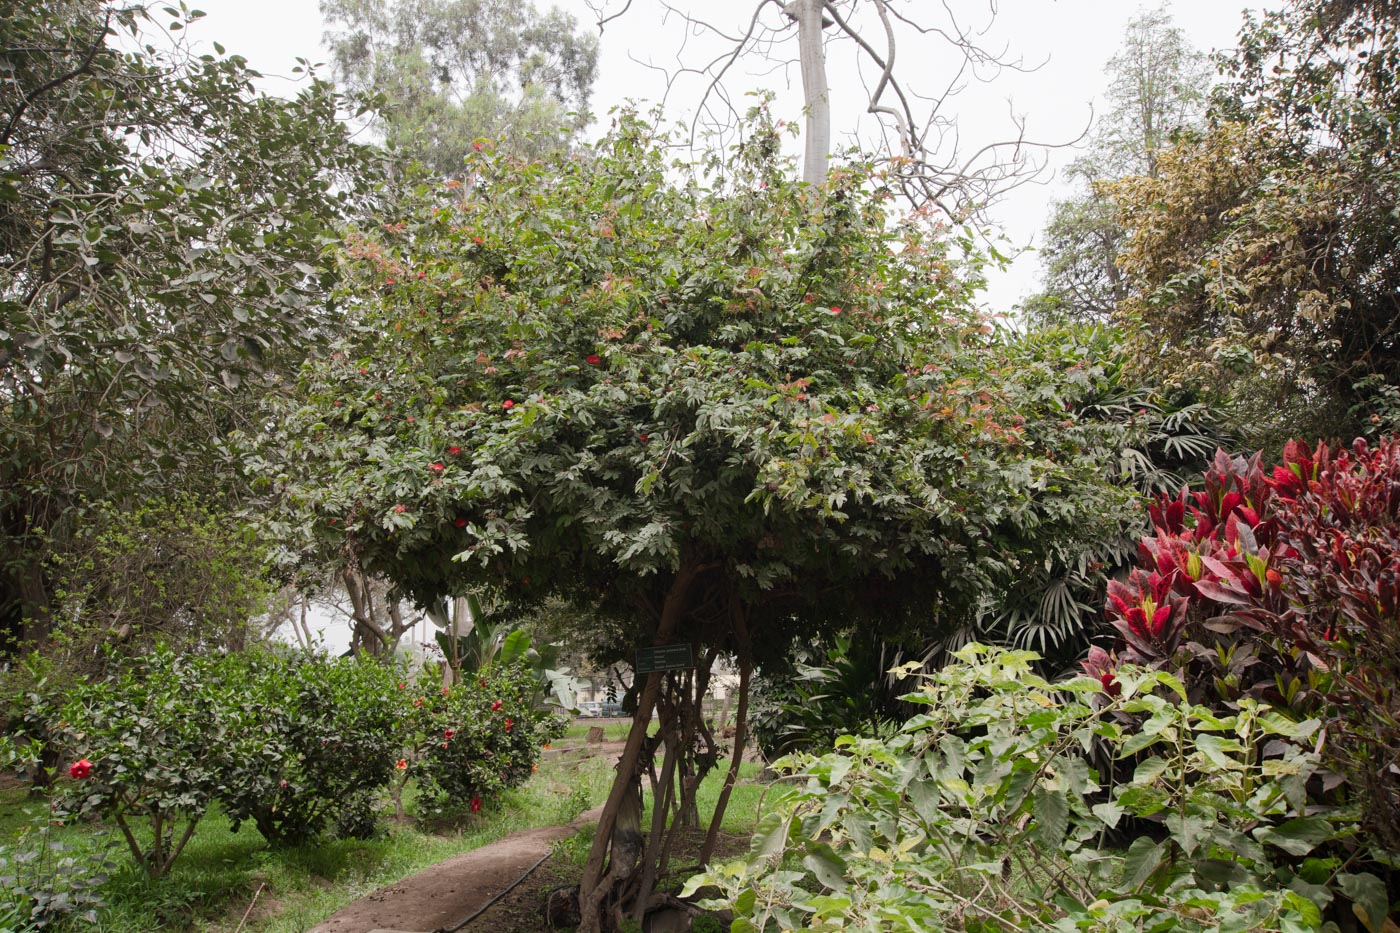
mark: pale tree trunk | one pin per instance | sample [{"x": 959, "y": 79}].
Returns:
[{"x": 816, "y": 97}]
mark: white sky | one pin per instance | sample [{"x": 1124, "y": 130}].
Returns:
[{"x": 1073, "y": 38}]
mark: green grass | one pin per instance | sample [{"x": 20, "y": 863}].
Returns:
[
  {"x": 217, "y": 877},
  {"x": 613, "y": 731},
  {"x": 220, "y": 872}
]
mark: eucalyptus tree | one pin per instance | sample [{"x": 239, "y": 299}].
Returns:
[
  {"x": 1158, "y": 88},
  {"x": 716, "y": 416},
  {"x": 161, "y": 224},
  {"x": 440, "y": 75}
]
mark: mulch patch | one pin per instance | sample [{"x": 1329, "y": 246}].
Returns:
[{"x": 523, "y": 909}]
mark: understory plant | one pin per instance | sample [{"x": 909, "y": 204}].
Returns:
[
  {"x": 466, "y": 743},
  {"x": 1282, "y": 585},
  {"x": 989, "y": 812},
  {"x": 154, "y": 746},
  {"x": 323, "y": 746}
]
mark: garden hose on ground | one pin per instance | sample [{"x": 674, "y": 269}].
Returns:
[{"x": 489, "y": 904}]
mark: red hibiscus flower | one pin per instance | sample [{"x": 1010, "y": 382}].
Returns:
[
  {"x": 80, "y": 769},
  {"x": 509, "y": 722},
  {"x": 401, "y": 764},
  {"x": 495, "y": 706},
  {"x": 835, "y": 310},
  {"x": 508, "y": 404},
  {"x": 448, "y": 733},
  {"x": 454, "y": 450},
  {"x": 436, "y": 468},
  {"x": 460, "y": 522},
  {"x": 401, "y": 509},
  {"x": 593, "y": 359},
  {"x": 476, "y": 804}
]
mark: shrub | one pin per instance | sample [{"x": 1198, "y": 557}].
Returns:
[
  {"x": 324, "y": 743},
  {"x": 154, "y": 745},
  {"x": 466, "y": 743},
  {"x": 1284, "y": 585},
  {"x": 984, "y": 813}
]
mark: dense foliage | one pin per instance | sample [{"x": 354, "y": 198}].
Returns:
[
  {"x": 988, "y": 812},
  {"x": 161, "y": 224},
  {"x": 1282, "y": 585},
  {"x": 440, "y": 74},
  {"x": 298, "y": 745},
  {"x": 1261, "y": 257}
]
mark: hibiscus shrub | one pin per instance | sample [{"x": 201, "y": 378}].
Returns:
[
  {"x": 467, "y": 743},
  {"x": 323, "y": 747},
  {"x": 1283, "y": 585},
  {"x": 152, "y": 748}
]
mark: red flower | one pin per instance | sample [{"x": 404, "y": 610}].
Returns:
[
  {"x": 835, "y": 310},
  {"x": 388, "y": 281},
  {"x": 644, "y": 438},
  {"x": 417, "y": 701},
  {"x": 80, "y": 769},
  {"x": 495, "y": 706},
  {"x": 509, "y": 722},
  {"x": 436, "y": 468},
  {"x": 448, "y": 733},
  {"x": 454, "y": 450},
  {"x": 460, "y": 522},
  {"x": 336, "y": 403},
  {"x": 476, "y": 804},
  {"x": 401, "y": 764},
  {"x": 508, "y": 404},
  {"x": 401, "y": 509},
  {"x": 477, "y": 145},
  {"x": 401, "y": 686},
  {"x": 593, "y": 359},
  {"x": 1110, "y": 686},
  {"x": 481, "y": 681},
  {"x": 446, "y": 690}
]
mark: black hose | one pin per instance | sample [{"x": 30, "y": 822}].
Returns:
[{"x": 489, "y": 904}]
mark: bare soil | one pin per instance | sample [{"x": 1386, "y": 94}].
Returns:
[{"x": 441, "y": 896}]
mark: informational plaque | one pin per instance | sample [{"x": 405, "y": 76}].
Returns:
[{"x": 664, "y": 658}]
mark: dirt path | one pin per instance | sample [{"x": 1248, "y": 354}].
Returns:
[{"x": 446, "y": 893}]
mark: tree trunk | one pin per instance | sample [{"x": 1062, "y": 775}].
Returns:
[
  {"x": 816, "y": 96},
  {"x": 741, "y": 731},
  {"x": 595, "y": 887}
]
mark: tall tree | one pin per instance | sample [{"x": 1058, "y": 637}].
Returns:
[
  {"x": 722, "y": 415},
  {"x": 1157, "y": 88},
  {"x": 912, "y": 60},
  {"x": 160, "y": 228},
  {"x": 441, "y": 74},
  {"x": 1263, "y": 254}
]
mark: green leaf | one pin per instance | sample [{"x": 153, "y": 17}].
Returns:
[
  {"x": 1141, "y": 861},
  {"x": 515, "y": 645},
  {"x": 1051, "y": 811},
  {"x": 1369, "y": 899},
  {"x": 826, "y": 866},
  {"x": 1297, "y": 836},
  {"x": 769, "y": 838}
]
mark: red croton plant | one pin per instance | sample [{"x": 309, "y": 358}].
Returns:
[{"x": 1284, "y": 585}]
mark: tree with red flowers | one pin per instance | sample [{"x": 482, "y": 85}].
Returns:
[{"x": 658, "y": 416}]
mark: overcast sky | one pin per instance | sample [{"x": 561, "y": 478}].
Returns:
[{"x": 1070, "y": 40}]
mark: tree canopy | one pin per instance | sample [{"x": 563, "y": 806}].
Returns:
[
  {"x": 725, "y": 414},
  {"x": 1262, "y": 256},
  {"x": 161, "y": 225},
  {"x": 441, "y": 73}
]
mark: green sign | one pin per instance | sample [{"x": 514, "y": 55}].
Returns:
[{"x": 664, "y": 658}]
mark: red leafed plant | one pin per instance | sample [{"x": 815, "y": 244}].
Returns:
[{"x": 1282, "y": 584}]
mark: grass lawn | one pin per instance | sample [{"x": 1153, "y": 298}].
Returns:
[{"x": 222, "y": 873}]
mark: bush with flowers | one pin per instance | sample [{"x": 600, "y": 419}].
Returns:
[
  {"x": 323, "y": 747},
  {"x": 466, "y": 743},
  {"x": 153, "y": 746}
]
